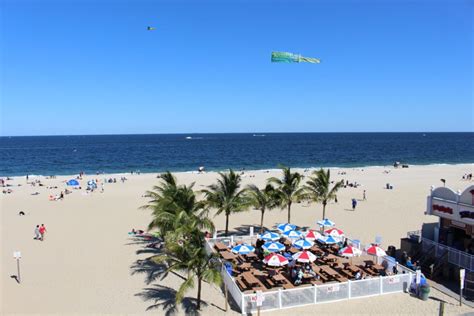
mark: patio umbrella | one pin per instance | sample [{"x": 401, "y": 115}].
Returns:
[
  {"x": 72, "y": 182},
  {"x": 275, "y": 260},
  {"x": 350, "y": 251},
  {"x": 334, "y": 232},
  {"x": 304, "y": 256},
  {"x": 326, "y": 223},
  {"x": 286, "y": 227},
  {"x": 269, "y": 236},
  {"x": 312, "y": 235},
  {"x": 375, "y": 250},
  {"x": 328, "y": 240},
  {"x": 292, "y": 234},
  {"x": 273, "y": 246},
  {"x": 303, "y": 244},
  {"x": 243, "y": 249}
]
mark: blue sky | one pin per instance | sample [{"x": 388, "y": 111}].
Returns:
[{"x": 91, "y": 67}]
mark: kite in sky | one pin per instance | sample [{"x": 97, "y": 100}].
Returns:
[
  {"x": 283, "y": 57},
  {"x": 151, "y": 28}
]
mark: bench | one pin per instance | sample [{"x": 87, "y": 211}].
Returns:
[
  {"x": 242, "y": 285},
  {"x": 288, "y": 285}
]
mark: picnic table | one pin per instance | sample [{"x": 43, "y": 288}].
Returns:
[
  {"x": 250, "y": 279},
  {"x": 331, "y": 257},
  {"x": 293, "y": 250},
  {"x": 279, "y": 278},
  {"x": 227, "y": 255},
  {"x": 245, "y": 266},
  {"x": 328, "y": 270},
  {"x": 352, "y": 268},
  {"x": 220, "y": 246},
  {"x": 378, "y": 267},
  {"x": 251, "y": 256}
]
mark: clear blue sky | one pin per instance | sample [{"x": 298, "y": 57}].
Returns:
[{"x": 91, "y": 67}]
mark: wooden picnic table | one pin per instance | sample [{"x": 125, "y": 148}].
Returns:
[
  {"x": 279, "y": 278},
  {"x": 352, "y": 268},
  {"x": 251, "y": 256},
  {"x": 220, "y": 246},
  {"x": 331, "y": 257},
  {"x": 250, "y": 279},
  {"x": 227, "y": 255},
  {"x": 316, "y": 250},
  {"x": 330, "y": 271},
  {"x": 293, "y": 250},
  {"x": 378, "y": 267},
  {"x": 245, "y": 266}
]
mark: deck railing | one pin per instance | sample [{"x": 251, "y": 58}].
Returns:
[{"x": 313, "y": 294}]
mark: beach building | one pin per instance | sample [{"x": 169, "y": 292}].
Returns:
[{"x": 446, "y": 246}]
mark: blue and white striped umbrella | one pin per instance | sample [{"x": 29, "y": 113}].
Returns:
[
  {"x": 303, "y": 244},
  {"x": 273, "y": 246},
  {"x": 326, "y": 222},
  {"x": 243, "y": 249},
  {"x": 292, "y": 234},
  {"x": 270, "y": 236},
  {"x": 286, "y": 227},
  {"x": 328, "y": 240}
]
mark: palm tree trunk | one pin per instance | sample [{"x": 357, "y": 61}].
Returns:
[
  {"x": 261, "y": 221},
  {"x": 324, "y": 210},
  {"x": 199, "y": 294},
  {"x": 289, "y": 213},
  {"x": 226, "y": 224}
]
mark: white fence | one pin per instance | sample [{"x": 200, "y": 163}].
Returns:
[
  {"x": 456, "y": 257},
  {"x": 314, "y": 294}
]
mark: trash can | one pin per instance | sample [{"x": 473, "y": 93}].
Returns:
[{"x": 424, "y": 292}]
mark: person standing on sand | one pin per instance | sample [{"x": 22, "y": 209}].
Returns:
[
  {"x": 364, "y": 197},
  {"x": 37, "y": 232},
  {"x": 42, "y": 231},
  {"x": 354, "y": 204}
]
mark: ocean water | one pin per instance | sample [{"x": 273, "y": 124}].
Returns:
[{"x": 64, "y": 155}]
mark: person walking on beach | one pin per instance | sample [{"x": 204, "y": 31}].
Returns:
[
  {"x": 37, "y": 233},
  {"x": 354, "y": 204},
  {"x": 42, "y": 231},
  {"x": 364, "y": 197}
]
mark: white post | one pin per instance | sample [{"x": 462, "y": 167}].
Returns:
[
  {"x": 243, "y": 303},
  {"x": 280, "y": 302},
  {"x": 232, "y": 240},
  {"x": 349, "y": 295},
  {"x": 214, "y": 236},
  {"x": 251, "y": 231},
  {"x": 381, "y": 284},
  {"x": 315, "y": 294}
]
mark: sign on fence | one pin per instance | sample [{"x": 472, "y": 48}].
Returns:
[
  {"x": 333, "y": 288},
  {"x": 393, "y": 280},
  {"x": 258, "y": 298},
  {"x": 462, "y": 275}
]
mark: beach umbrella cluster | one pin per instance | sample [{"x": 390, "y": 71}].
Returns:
[
  {"x": 328, "y": 240},
  {"x": 334, "y": 232}
]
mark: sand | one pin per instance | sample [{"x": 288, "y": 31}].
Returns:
[{"x": 84, "y": 264}]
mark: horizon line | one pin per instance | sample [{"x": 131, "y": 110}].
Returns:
[{"x": 222, "y": 133}]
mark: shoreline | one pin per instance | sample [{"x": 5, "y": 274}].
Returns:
[{"x": 264, "y": 170}]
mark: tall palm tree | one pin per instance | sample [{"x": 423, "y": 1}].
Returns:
[
  {"x": 318, "y": 188},
  {"x": 185, "y": 253},
  {"x": 172, "y": 205},
  {"x": 289, "y": 188},
  {"x": 226, "y": 196},
  {"x": 263, "y": 200}
]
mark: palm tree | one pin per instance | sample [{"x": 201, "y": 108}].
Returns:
[
  {"x": 263, "y": 200},
  {"x": 172, "y": 205},
  {"x": 318, "y": 188},
  {"x": 289, "y": 188},
  {"x": 226, "y": 196}
]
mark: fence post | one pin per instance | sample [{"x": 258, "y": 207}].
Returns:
[
  {"x": 280, "y": 302},
  {"x": 251, "y": 231},
  {"x": 381, "y": 284},
  {"x": 243, "y": 303},
  {"x": 315, "y": 294},
  {"x": 349, "y": 294}
]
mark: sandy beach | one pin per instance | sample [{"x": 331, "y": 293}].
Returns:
[{"x": 84, "y": 264}]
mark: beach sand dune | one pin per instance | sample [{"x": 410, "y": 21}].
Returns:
[{"x": 84, "y": 264}]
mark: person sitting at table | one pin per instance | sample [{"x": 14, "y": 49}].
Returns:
[
  {"x": 293, "y": 273},
  {"x": 299, "y": 276},
  {"x": 308, "y": 269},
  {"x": 358, "y": 275},
  {"x": 395, "y": 269},
  {"x": 409, "y": 264}
]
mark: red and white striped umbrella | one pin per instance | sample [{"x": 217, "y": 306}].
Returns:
[
  {"x": 375, "y": 250},
  {"x": 350, "y": 251},
  {"x": 312, "y": 235},
  {"x": 334, "y": 232},
  {"x": 275, "y": 260},
  {"x": 304, "y": 256}
]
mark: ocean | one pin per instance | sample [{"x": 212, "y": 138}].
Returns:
[{"x": 67, "y": 155}]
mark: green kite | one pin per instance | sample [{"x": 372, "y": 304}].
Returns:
[{"x": 283, "y": 57}]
